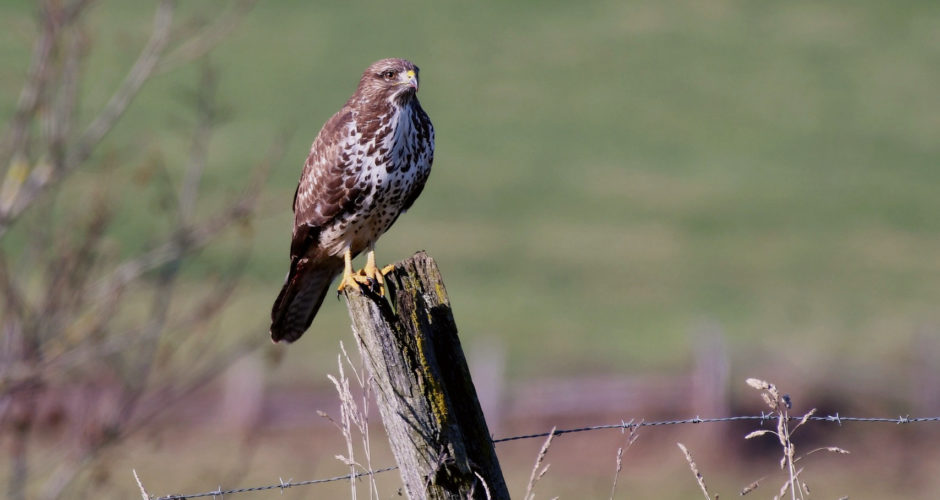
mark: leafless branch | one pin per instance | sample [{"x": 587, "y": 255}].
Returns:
[
  {"x": 138, "y": 74},
  {"x": 199, "y": 150},
  {"x": 193, "y": 238},
  {"x": 55, "y": 337},
  {"x": 15, "y": 303},
  {"x": 206, "y": 38},
  {"x": 37, "y": 75},
  {"x": 60, "y": 120},
  {"x": 42, "y": 176}
]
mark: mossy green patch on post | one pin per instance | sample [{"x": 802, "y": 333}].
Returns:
[
  {"x": 436, "y": 427},
  {"x": 433, "y": 388},
  {"x": 441, "y": 293}
]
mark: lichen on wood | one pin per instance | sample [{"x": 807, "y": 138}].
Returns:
[{"x": 432, "y": 415}]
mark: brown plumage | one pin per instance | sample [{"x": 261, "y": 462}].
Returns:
[{"x": 366, "y": 167}]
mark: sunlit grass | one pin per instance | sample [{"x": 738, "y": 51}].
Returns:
[{"x": 608, "y": 176}]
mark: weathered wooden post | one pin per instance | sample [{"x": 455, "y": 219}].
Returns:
[{"x": 425, "y": 395}]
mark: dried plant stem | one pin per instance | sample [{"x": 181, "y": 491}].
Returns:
[
  {"x": 613, "y": 488},
  {"x": 143, "y": 491},
  {"x": 698, "y": 475},
  {"x": 346, "y": 408},
  {"x": 486, "y": 489},
  {"x": 631, "y": 438},
  {"x": 780, "y": 406},
  {"x": 352, "y": 416},
  {"x": 536, "y": 474}
]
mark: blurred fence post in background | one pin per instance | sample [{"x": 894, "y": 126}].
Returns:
[
  {"x": 423, "y": 387},
  {"x": 711, "y": 375},
  {"x": 488, "y": 365}
]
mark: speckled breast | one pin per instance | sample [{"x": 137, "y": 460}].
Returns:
[{"x": 390, "y": 168}]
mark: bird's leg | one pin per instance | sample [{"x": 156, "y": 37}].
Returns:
[
  {"x": 373, "y": 273},
  {"x": 350, "y": 278},
  {"x": 370, "y": 270},
  {"x": 369, "y": 276}
]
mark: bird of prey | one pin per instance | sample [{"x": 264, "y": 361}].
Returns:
[{"x": 366, "y": 167}]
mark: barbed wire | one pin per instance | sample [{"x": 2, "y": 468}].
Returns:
[
  {"x": 623, "y": 426},
  {"x": 280, "y": 486}
]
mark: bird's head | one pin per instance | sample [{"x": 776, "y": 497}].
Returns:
[{"x": 391, "y": 80}]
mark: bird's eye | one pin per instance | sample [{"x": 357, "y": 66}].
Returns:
[{"x": 388, "y": 75}]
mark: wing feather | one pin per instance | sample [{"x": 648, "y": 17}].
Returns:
[{"x": 322, "y": 194}]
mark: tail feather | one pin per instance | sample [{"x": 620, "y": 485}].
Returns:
[{"x": 303, "y": 292}]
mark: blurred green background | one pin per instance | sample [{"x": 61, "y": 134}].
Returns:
[{"x": 609, "y": 176}]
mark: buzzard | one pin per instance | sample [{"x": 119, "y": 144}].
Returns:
[{"x": 366, "y": 167}]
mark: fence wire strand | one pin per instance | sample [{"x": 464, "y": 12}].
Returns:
[{"x": 623, "y": 426}]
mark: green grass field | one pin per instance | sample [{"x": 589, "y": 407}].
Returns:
[{"x": 609, "y": 176}]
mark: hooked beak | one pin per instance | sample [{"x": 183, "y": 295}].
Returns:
[{"x": 410, "y": 78}]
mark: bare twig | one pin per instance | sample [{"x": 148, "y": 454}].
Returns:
[
  {"x": 42, "y": 176},
  {"x": 18, "y": 130},
  {"x": 139, "y": 73},
  {"x": 54, "y": 348},
  {"x": 195, "y": 237},
  {"x": 15, "y": 302},
  {"x": 60, "y": 120},
  {"x": 199, "y": 150},
  {"x": 206, "y": 38}
]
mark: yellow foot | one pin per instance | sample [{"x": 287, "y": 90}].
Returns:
[
  {"x": 358, "y": 279},
  {"x": 370, "y": 276}
]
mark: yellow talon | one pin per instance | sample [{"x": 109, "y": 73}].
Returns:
[{"x": 370, "y": 276}]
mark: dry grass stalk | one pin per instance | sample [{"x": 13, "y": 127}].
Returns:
[
  {"x": 613, "y": 488},
  {"x": 486, "y": 489},
  {"x": 751, "y": 487},
  {"x": 536, "y": 474},
  {"x": 352, "y": 415},
  {"x": 630, "y": 439},
  {"x": 780, "y": 406},
  {"x": 698, "y": 475},
  {"x": 362, "y": 417},
  {"x": 143, "y": 491}
]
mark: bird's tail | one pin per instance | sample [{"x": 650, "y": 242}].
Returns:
[{"x": 306, "y": 285}]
